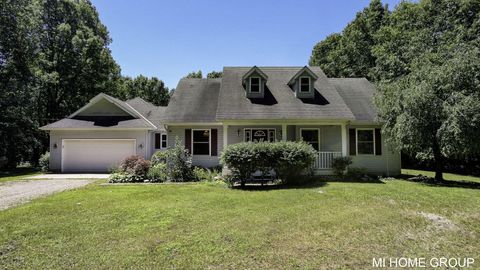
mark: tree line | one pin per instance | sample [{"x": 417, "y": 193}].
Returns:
[
  {"x": 54, "y": 57},
  {"x": 424, "y": 58}
]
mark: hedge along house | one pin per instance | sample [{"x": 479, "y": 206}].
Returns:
[{"x": 248, "y": 104}]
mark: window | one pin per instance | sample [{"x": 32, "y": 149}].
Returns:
[
  {"x": 160, "y": 141},
  {"x": 201, "y": 142},
  {"x": 304, "y": 84},
  {"x": 259, "y": 134},
  {"x": 312, "y": 137},
  {"x": 255, "y": 85},
  {"x": 365, "y": 142},
  {"x": 164, "y": 141}
]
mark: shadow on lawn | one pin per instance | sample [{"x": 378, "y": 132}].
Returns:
[
  {"x": 445, "y": 183},
  {"x": 17, "y": 171},
  {"x": 274, "y": 186},
  {"x": 314, "y": 183}
]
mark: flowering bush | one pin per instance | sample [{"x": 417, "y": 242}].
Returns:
[{"x": 135, "y": 165}]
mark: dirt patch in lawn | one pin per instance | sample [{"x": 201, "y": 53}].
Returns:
[{"x": 439, "y": 222}]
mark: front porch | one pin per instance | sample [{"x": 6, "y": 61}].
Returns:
[{"x": 328, "y": 138}]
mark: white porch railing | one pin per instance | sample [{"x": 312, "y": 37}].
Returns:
[{"x": 324, "y": 160}]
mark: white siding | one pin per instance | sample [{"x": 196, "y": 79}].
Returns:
[
  {"x": 56, "y": 137},
  {"x": 330, "y": 137},
  {"x": 388, "y": 163},
  {"x": 175, "y": 132}
]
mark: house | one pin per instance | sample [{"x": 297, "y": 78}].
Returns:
[{"x": 335, "y": 115}]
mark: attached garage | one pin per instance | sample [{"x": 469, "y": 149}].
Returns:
[{"x": 95, "y": 155}]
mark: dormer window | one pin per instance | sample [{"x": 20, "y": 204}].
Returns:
[
  {"x": 255, "y": 84},
  {"x": 304, "y": 84}
]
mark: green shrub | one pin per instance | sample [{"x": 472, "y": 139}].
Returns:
[
  {"x": 179, "y": 163},
  {"x": 159, "y": 157},
  {"x": 134, "y": 165},
  {"x": 294, "y": 160},
  {"x": 44, "y": 162},
  {"x": 158, "y": 173},
  {"x": 355, "y": 173},
  {"x": 287, "y": 159},
  {"x": 340, "y": 164},
  {"x": 205, "y": 174}
]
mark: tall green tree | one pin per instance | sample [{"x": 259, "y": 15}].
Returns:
[
  {"x": 18, "y": 47},
  {"x": 424, "y": 58},
  {"x": 434, "y": 111},
  {"x": 150, "y": 89},
  {"x": 75, "y": 62},
  {"x": 349, "y": 54},
  {"x": 54, "y": 57}
]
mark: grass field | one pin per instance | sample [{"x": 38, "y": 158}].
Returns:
[{"x": 192, "y": 226}]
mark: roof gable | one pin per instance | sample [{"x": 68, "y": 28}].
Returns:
[
  {"x": 254, "y": 71},
  {"x": 103, "y": 107},
  {"x": 302, "y": 72}
]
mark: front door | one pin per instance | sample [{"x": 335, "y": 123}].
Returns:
[
  {"x": 260, "y": 135},
  {"x": 312, "y": 137}
]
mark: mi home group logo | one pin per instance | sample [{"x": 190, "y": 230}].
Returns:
[{"x": 441, "y": 262}]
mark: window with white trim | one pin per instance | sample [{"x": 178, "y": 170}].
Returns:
[
  {"x": 312, "y": 137},
  {"x": 255, "y": 84},
  {"x": 365, "y": 141},
  {"x": 259, "y": 134},
  {"x": 201, "y": 142},
  {"x": 304, "y": 84},
  {"x": 160, "y": 141}
]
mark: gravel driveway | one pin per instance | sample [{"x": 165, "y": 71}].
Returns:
[{"x": 18, "y": 192}]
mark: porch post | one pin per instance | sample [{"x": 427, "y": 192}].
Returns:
[
  {"x": 225, "y": 136},
  {"x": 344, "y": 139},
  {"x": 284, "y": 132}
]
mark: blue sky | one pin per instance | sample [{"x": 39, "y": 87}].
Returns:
[{"x": 169, "y": 39}]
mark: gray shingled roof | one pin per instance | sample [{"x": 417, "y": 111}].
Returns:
[
  {"x": 152, "y": 112},
  {"x": 75, "y": 123},
  {"x": 211, "y": 100},
  {"x": 142, "y": 107},
  {"x": 282, "y": 104},
  {"x": 194, "y": 100},
  {"x": 358, "y": 95}
]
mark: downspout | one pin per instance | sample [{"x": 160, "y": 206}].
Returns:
[
  {"x": 386, "y": 149},
  {"x": 147, "y": 144}
]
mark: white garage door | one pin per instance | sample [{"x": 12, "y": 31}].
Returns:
[{"x": 95, "y": 155}]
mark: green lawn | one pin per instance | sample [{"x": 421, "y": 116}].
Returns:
[
  {"x": 17, "y": 174},
  {"x": 328, "y": 225}
]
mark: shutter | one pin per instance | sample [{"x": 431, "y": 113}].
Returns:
[
  {"x": 352, "y": 141},
  {"x": 214, "y": 142},
  {"x": 157, "y": 140},
  {"x": 378, "y": 142},
  {"x": 188, "y": 140}
]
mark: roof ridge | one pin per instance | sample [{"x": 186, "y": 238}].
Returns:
[{"x": 347, "y": 78}]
